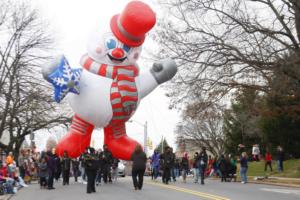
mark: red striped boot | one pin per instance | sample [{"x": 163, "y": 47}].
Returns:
[
  {"x": 78, "y": 138},
  {"x": 118, "y": 142}
]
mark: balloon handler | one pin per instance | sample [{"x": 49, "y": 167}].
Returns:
[{"x": 107, "y": 90}]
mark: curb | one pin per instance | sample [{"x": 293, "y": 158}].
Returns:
[
  {"x": 6, "y": 197},
  {"x": 276, "y": 184},
  {"x": 284, "y": 178},
  {"x": 270, "y": 183},
  {"x": 277, "y": 177}
]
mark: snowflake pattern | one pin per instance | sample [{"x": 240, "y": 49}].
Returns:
[{"x": 64, "y": 80}]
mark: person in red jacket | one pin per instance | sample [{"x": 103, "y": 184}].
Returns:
[
  {"x": 3, "y": 172},
  {"x": 5, "y": 179},
  {"x": 268, "y": 160}
]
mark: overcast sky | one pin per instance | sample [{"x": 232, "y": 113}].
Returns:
[{"x": 71, "y": 23}]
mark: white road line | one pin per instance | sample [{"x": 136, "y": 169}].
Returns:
[{"x": 283, "y": 191}]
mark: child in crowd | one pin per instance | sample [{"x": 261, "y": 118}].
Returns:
[
  {"x": 7, "y": 182},
  {"x": 43, "y": 173},
  {"x": 268, "y": 160}
]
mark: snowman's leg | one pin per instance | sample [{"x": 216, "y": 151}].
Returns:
[
  {"x": 77, "y": 139},
  {"x": 118, "y": 142}
]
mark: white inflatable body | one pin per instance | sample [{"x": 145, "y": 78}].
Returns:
[{"x": 93, "y": 103}]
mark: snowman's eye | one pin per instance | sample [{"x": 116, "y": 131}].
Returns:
[
  {"x": 126, "y": 48},
  {"x": 111, "y": 43}
]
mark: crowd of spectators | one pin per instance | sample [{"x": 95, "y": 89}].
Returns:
[
  {"x": 46, "y": 167},
  {"x": 224, "y": 166},
  {"x": 11, "y": 176}
]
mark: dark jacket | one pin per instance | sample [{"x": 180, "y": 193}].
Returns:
[
  {"x": 280, "y": 155},
  {"x": 167, "y": 160},
  {"x": 75, "y": 165},
  {"x": 107, "y": 157},
  {"x": 202, "y": 161},
  {"x": 184, "y": 164},
  {"x": 173, "y": 159},
  {"x": 90, "y": 161},
  {"x": 100, "y": 160},
  {"x": 196, "y": 161},
  {"x": 177, "y": 164},
  {"x": 244, "y": 162},
  {"x": 43, "y": 170},
  {"x": 57, "y": 164},
  {"x": 139, "y": 160},
  {"x": 65, "y": 163},
  {"x": 51, "y": 164},
  {"x": 222, "y": 164}
]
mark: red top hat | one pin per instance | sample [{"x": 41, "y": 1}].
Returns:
[{"x": 133, "y": 23}]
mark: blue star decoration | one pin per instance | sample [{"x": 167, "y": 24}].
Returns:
[{"x": 65, "y": 80}]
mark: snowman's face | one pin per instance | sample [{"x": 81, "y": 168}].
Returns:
[{"x": 106, "y": 48}]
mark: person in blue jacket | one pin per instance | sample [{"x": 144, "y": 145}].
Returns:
[{"x": 155, "y": 163}]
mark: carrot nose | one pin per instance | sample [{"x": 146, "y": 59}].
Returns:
[{"x": 118, "y": 53}]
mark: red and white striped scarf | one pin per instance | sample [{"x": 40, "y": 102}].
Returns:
[{"x": 123, "y": 92}]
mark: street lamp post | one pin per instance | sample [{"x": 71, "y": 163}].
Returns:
[
  {"x": 145, "y": 134},
  {"x": 145, "y": 138}
]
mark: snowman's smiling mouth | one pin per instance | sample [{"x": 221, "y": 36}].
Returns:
[{"x": 116, "y": 59}]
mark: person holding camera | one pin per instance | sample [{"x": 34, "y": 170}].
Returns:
[
  {"x": 66, "y": 167},
  {"x": 91, "y": 166},
  {"x": 107, "y": 159},
  {"x": 167, "y": 162},
  {"x": 202, "y": 164}
]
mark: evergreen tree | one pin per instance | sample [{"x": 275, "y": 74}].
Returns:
[
  {"x": 163, "y": 143},
  {"x": 280, "y": 122},
  {"x": 240, "y": 124}
]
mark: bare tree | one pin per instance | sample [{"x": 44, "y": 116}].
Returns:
[
  {"x": 223, "y": 45},
  {"x": 25, "y": 99},
  {"x": 50, "y": 144},
  {"x": 204, "y": 129}
]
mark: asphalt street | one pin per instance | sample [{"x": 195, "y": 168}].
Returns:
[{"x": 154, "y": 190}]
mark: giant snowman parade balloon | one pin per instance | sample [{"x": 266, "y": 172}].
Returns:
[{"x": 106, "y": 91}]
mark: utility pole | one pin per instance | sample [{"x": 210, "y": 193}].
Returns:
[
  {"x": 145, "y": 138},
  {"x": 145, "y": 133},
  {"x": 162, "y": 144}
]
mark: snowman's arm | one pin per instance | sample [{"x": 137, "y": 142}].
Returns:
[
  {"x": 145, "y": 83},
  {"x": 53, "y": 65},
  {"x": 160, "y": 72},
  {"x": 63, "y": 78}
]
